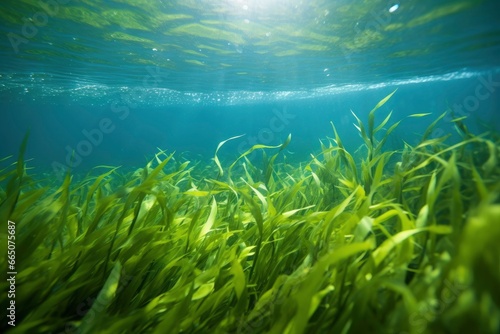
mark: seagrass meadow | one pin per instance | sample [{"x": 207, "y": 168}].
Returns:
[{"x": 371, "y": 241}]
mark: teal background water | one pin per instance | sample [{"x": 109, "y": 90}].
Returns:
[{"x": 115, "y": 80}]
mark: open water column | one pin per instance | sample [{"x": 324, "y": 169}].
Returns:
[{"x": 250, "y": 166}]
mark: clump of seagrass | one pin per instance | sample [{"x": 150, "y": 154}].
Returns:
[{"x": 376, "y": 241}]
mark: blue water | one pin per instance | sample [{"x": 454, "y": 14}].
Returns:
[{"x": 116, "y": 80}]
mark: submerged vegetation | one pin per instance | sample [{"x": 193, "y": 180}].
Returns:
[{"x": 379, "y": 241}]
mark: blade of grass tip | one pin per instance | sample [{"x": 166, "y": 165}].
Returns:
[
  {"x": 259, "y": 195},
  {"x": 291, "y": 195},
  {"x": 210, "y": 221},
  {"x": 192, "y": 224},
  {"x": 431, "y": 127},
  {"x": 247, "y": 174},
  {"x": 20, "y": 161},
  {"x": 419, "y": 115},
  {"x": 140, "y": 199},
  {"x": 459, "y": 119},
  {"x": 431, "y": 194},
  {"x": 337, "y": 137},
  {"x": 384, "y": 139},
  {"x": 216, "y": 158},
  {"x": 5, "y": 173},
  {"x": 377, "y": 178},
  {"x": 253, "y": 148},
  {"x": 461, "y": 127},
  {"x": 270, "y": 162},
  {"x": 6, "y": 158},
  {"x": 102, "y": 302},
  {"x": 371, "y": 114},
  {"x": 292, "y": 212},
  {"x": 91, "y": 191},
  {"x": 381, "y": 125},
  {"x": 157, "y": 158},
  {"x": 384, "y": 100},
  {"x": 422, "y": 217},
  {"x": 255, "y": 211},
  {"x": 171, "y": 322},
  {"x": 167, "y": 215},
  {"x": 102, "y": 206},
  {"x": 304, "y": 298},
  {"x": 361, "y": 129},
  {"x": 239, "y": 281},
  {"x": 286, "y": 142},
  {"x": 481, "y": 188},
  {"x": 65, "y": 203},
  {"x": 136, "y": 193},
  {"x": 158, "y": 168},
  {"x": 381, "y": 252},
  {"x": 8, "y": 206},
  {"x": 492, "y": 161},
  {"x": 316, "y": 179}
]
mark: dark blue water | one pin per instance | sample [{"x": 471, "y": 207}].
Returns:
[{"x": 115, "y": 81}]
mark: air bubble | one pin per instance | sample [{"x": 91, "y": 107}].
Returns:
[{"x": 393, "y": 8}]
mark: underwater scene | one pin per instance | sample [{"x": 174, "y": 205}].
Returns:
[{"x": 250, "y": 166}]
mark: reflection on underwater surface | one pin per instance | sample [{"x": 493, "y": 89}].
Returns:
[
  {"x": 255, "y": 46},
  {"x": 218, "y": 166}
]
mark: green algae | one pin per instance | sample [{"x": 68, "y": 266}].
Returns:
[{"x": 371, "y": 241}]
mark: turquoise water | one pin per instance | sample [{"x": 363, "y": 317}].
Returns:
[{"x": 115, "y": 80}]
